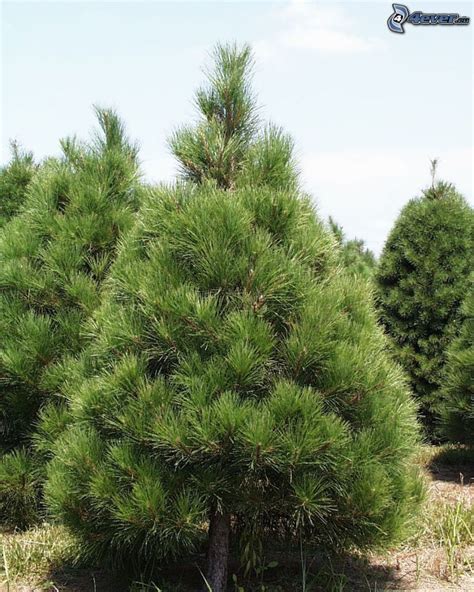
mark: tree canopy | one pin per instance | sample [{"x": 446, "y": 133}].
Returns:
[
  {"x": 422, "y": 280},
  {"x": 14, "y": 180},
  {"x": 457, "y": 392},
  {"x": 54, "y": 257},
  {"x": 355, "y": 256}
]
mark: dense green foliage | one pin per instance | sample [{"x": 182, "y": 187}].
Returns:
[
  {"x": 14, "y": 180},
  {"x": 54, "y": 256},
  {"x": 457, "y": 393},
  {"x": 236, "y": 378},
  {"x": 21, "y": 477},
  {"x": 355, "y": 256},
  {"x": 234, "y": 370},
  {"x": 422, "y": 279}
]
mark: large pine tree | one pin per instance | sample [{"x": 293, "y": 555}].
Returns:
[
  {"x": 237, "y": 383},
  {"x": 54, "y": 256},
  {"x": 422, "y": 280},
  {"x": 457, "y": 392}
]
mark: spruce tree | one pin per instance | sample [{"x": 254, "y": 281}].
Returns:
[
  {"x": 422, "y": 280},
  {"x": 355, "y": 256},
  {"x": 14, "y": 180},
  {"x": 457, "y": 392},
  {"x": 236, "y": 384},
  {"x": 54, "y": 256}
]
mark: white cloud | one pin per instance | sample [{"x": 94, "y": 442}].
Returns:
[{"x": 315, "y": 27}]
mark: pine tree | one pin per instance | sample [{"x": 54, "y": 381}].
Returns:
[
  {"x": 355, "y": 256},
  {"x": 457, "y": 392},
  {"x": 237, "y": 385},
  {"x": 422, "y": 279},
  {"x": 14, "y": 180},
  {"x": 54, "y": 256}
]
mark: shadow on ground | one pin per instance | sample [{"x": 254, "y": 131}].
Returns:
[
  {"x": 453, "y": 464},
  {"x": 284, "y": 573},
  {"x": 87, "y": 581}
]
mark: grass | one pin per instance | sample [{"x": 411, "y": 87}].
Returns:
[
  {"x": 28, "y": 557},
  {"x": 455, "y": 531},
  {"x": 448, "y": 531},
  {"x": 444, "y": 541}
]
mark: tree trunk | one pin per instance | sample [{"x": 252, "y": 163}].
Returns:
[{"x": 218, "y": 551}]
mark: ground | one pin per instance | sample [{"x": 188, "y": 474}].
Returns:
[{"x": 440, "y": 558}]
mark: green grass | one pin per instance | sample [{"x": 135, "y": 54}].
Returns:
[{"x": 452, "y": 529}]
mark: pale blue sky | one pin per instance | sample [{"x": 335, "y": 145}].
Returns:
[{"x": 367, "y": 108}]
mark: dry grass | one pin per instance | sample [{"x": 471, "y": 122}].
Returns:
[
  {"x": 28, "y": 557},
  {"x": 447, "y": 533},
  {"x": 441, "y": 554}
]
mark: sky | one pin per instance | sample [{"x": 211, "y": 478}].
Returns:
[{"x": 367, "y": 108}]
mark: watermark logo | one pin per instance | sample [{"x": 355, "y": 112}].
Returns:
[{"x": 401, "y": 16}]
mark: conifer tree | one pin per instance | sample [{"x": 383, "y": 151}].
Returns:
[
  {"x": 457, "y": 392},
  {"x": 236, "y": 381},
  {"x": 422, "y": 279},
  {"x": 54, "y": 256},
  {"x": 14, "y": 180},
  {"x": 355, "y": 256}
]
